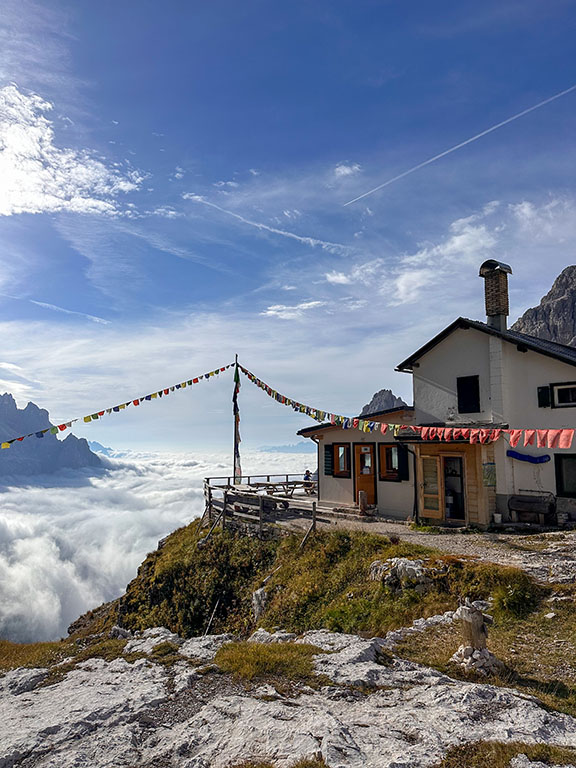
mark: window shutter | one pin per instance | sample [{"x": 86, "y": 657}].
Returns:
[
  {"x": 403, "y": 468},
  {"x": 544, "y": 400},
  {"x": 328, "y": 460}
]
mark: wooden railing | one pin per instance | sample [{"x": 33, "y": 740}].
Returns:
[{"x": 263, "y": 500}]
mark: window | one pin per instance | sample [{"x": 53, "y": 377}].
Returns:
[
  {"x": 566, "y": 474},
  {"x": 393, "y": 462},
  {"x": 564, "y": 395},
  {"x": 468, "y": 388},
  {"x": 341, "y": 459}
]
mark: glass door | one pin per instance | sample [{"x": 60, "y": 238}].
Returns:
[{"x": 431, "y": 488}]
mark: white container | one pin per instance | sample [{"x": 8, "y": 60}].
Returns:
[{"x": 497, "y": 518}]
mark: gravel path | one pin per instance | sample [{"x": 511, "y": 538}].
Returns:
[{"x": 548, "y": 557}]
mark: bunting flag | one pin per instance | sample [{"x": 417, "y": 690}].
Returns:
[
  {"x": 544, "y": 438},
  {"x": 117, "y": 408},
  {"x": 237, "y": 439}
]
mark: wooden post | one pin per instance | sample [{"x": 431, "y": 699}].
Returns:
[
  {"x": 314, "y": 516},
  {"x": 225, "y": 502},
  {"x": 362, "y": 502},
  {"x": 474, "y": 629},
  {"x": 208, "y": 495},
  {"x": 260, "y": 516}
]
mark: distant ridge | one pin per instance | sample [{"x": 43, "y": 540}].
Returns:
[
  {"x": 301, "y": 447},
  {"x": 37, "y": 456}
]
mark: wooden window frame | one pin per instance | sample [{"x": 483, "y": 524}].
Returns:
[
  {"x": 559, "y": 459},
  {"x": 383, "y": 473},
  {"x": 347, "y": 473},
  {"x": 553, "y": 390},
  {"x": 402, "y": 473}
]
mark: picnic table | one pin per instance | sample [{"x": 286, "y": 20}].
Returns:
[{"x": 287, "y": 487}]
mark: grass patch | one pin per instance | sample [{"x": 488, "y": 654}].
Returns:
[
  {"x": 166, "y": 654},
  {"x": 495, "y": 754},
  {"x": 178, "y": 585},
  {"x": 422, "y": 528},
  {"x": 324, "y": 585},
  {"x": 108, "y": 649},
  {"x": 539, "y": 653},
  {"x": 265, "y": 661},
  {"x": 13, "y": 655}
]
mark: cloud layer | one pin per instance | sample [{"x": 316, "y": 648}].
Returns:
[
  {"x": 75, "y": 541},
  {"x": 37, "y": 176}
]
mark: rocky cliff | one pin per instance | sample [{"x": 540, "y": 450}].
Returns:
[
  {"x": 35, "y": 456},
  {"x": 382, "y": 400},
  {"x": 555, "y": 317}
]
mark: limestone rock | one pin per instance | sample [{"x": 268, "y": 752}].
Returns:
[
  {"x": 259, "y": 600},
  {"x": 204, "y": 648},
  {"x": 150, "y": 638},
  {"x": 120, "y": 714},
  {"x": 555, "y": 317},
  {"x": 400, "y": 573},
  {"x": 262, "y": 636},
  {"x": 477, "y": 661},
  {"x": 521, "y": 761}
]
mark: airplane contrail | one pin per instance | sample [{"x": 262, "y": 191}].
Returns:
[{"x": 462, "y": 144}]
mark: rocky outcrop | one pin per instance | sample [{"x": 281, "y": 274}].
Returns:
[
  {"x": 400, "y": 573},
  {"x": 379, "y": 710},
  {"x": 382, "y": 401},
  {"x": 37, "y": 456},
  {"x": 555, "y": 317}
]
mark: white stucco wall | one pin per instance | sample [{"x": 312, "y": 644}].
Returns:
[
  {"x": 463, "y": 353},
  {"x": 524, "y": 373},
  {"x": 395, "y": 499}
]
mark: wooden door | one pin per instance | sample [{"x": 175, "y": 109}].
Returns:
[
  {"x": 431, "y": 488},
  {"x": 365, "y": 471}
]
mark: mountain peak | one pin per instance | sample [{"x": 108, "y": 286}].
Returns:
[
  {"x": 554, "y": 319},
  {"x": 382, "y": 400},
  {"x": 33, "y": 456}
]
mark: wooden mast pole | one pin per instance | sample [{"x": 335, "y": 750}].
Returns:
[{"x": 237, "y": 469}]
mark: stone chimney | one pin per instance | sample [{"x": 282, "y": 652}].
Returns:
[{"x": 495, "y": 275}]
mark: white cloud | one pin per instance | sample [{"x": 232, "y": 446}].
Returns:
[
  {"x": 37, "y": 176},
  {"x": 72, "y": 541},
  {"x": 408, "y": 285},
  {"x": 347, "y": 169},
  {"x": 338, "y": 278},
  {"x": 166, "y": 212},
  {"x": 254, "y": 171},
  {"x": 285, "y": 312},
  {"x": 232, "y": 184}
]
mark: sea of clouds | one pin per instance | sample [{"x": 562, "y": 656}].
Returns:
[{"x": 72, "y": 541}]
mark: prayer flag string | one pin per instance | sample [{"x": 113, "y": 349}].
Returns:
[
  {"x": 164, "y": 392},
  {"x": 543, "y": 438}
]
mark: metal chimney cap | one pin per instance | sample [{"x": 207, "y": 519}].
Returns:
[{"x": 494, "y": 266}]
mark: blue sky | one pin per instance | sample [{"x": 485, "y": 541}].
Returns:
[{"x": 172, "y": 187}]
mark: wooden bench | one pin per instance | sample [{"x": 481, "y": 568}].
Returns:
[{"x": 533, "y": 508}]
